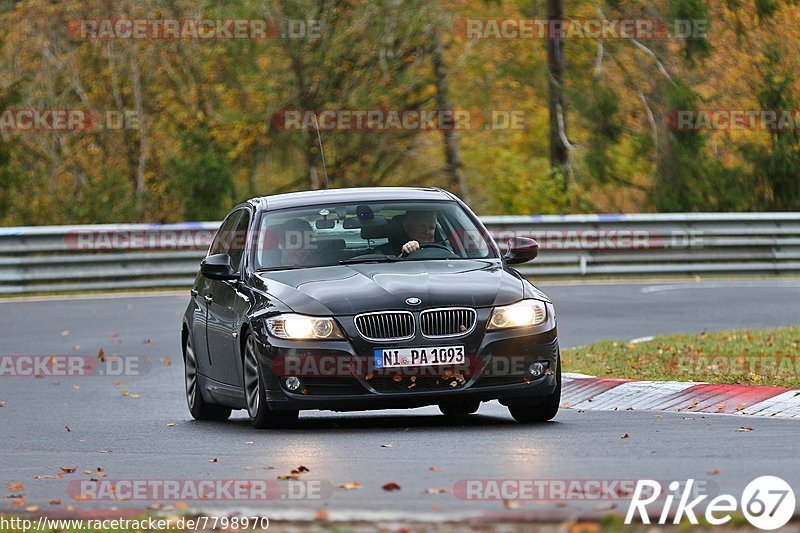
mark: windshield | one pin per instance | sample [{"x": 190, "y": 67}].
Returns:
[{"x": 368, "y": 232}]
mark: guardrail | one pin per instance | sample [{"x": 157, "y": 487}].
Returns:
[{"x": 132, "y": 256}]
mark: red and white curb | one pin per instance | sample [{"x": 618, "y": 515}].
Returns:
[{"x": 606, "y": 394}]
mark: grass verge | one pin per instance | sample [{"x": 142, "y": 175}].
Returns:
[{"x": 752, "y": 357}]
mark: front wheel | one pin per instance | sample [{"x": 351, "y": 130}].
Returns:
[
  {"x": 198, "y": 406},
  {"x": 261, "y": 416},
  {"x": 540, "y": 409}
]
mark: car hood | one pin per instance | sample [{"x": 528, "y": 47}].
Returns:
[{"x": 360, "y": 288}]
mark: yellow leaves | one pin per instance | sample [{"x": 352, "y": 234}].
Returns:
[{"x": 350, "y": 485}]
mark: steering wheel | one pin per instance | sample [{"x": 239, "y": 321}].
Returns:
[
  {"x": 434, "y": 245},
  {"x": 433, "y": 250}
]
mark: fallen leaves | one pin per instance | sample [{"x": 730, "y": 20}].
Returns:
[
  {"x": 101, "y": 355},
  {"x": 741, "y": 407},
  {"x": 565, "y": 405},
  {"x": 214, "y": 460},
  {"x": 170, "y": 425},
  {"x": 434, "y": 469},
  {"x": 626, "y": 436},
  {"x": 69, "y": 429},
  {"x": 16, "y": 487},
  {"x": 440, "y": 490},
  {"x": 65, "y": 333},
  {"x": 130, "y": 395},
  {"x": 744, "y": 429},
  {"x": 294, "y": 474},
  {"x": 713, "y": 472},
  {"x": 391, "y": 487},
  {"x": 2, "y": 404},
  {"x": 350, "y": 485},
  {"x": 67, "y": 470},
  {"x": 693, "y": 405},
  {"x": 389, "y": 445},
  {"x": 511, "y": 504}
]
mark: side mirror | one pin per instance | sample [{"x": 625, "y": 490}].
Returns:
[
  {"x": 218, "y": 266},
  {"x": 521, "y": 250}
]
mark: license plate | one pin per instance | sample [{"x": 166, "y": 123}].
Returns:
[{"x": 404, "y": 357}]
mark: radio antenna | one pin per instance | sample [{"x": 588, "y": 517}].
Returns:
[{"x": 321, "y": 151}]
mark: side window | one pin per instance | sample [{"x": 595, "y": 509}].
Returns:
[
  {"x": 239, "y": 241},
  {"x": 225, "y": 234}
]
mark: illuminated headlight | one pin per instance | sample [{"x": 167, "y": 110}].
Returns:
[
  {"x": 524, "y": 313},
  {"x": 303, "y": 327}
]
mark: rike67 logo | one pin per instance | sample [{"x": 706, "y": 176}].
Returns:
[{"x": 767, "y": 502}]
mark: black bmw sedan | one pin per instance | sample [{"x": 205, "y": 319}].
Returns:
[{"x": 373, "y": 298}]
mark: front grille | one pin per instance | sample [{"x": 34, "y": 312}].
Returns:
[
  {"x": 452, "y": 322},
  {"x": 386, "y": 325}
]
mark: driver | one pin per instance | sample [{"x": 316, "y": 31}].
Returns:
[{"x": 419, "y": 226}]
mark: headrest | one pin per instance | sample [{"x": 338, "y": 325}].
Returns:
[
  {"x": 330, "y": 244},
  {"x": 393, "y": 229}
]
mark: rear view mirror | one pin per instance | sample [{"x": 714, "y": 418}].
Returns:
[{"x": 218, "y": 266}]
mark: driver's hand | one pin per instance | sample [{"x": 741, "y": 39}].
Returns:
[{"x": 410, "y": 247}]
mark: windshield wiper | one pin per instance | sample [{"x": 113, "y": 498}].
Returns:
[
  {"x": 274, "y": 269},
  {"x": 370, "y": 258}
]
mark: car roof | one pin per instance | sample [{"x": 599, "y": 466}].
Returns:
[{"x": 366, "y": 194}]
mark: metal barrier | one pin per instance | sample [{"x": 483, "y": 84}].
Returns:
[{"x": 134, "y": 256}]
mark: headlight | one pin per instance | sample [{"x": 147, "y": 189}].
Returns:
[
  {"x": 524, "y": 313},
  {"x": 303, "y": 327}
]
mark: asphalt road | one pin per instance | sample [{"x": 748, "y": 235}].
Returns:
[{"x": 85, "y": 423}]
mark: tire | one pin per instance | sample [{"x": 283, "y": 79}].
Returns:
[
  {"x": 198, "y": 406},
  {"x": 261, "y": 416},
  {"x": 540, "y": 409},
  {"x": 460, "y": 408}
]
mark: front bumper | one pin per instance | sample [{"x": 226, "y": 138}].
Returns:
[{"x": 337, "y": 375}]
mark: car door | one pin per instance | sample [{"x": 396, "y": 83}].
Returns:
[
  {"x": 226, "y": 307},
  {"x": 201, "y": 293}
]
